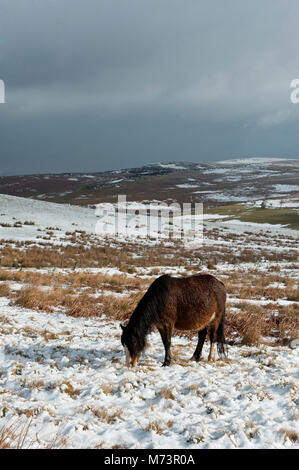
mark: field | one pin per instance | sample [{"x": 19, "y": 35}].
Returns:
[
  {"x": 283, "y": 216},
  {"x": 64, "y": 292}
]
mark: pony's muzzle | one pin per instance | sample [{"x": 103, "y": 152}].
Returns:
[
  {"x": 131, "y": 361},
  {"x": 134, "y": 361},
  {"x": 128, "y": 356}
]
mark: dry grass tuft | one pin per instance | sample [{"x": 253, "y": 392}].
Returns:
[
  {"x": 155, "y": 427},
  {"x": 14, "y": 435},
  {"x": 5, "y": 289},
  {"x": 290, "y": 435},
  {"x": 106, "y": 415},
  {"x": 167, "y": 394}
]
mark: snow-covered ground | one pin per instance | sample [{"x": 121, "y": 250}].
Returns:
[
  {"x": 187, "y": 185},
  {"x": 257, "y": 161},
  {"x": 171, "y": 165},
  {"x": 62, "y": 218},
  {"x": 285, "y": 188},
  {"x": 69, "y": 376},
  {"x": 44, "y": 215},
  {"x": 278, "y": 203}
]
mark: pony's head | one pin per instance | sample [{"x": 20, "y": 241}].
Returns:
[{"x": 132, "y": 345}]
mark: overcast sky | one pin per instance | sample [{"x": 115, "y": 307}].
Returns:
[{"x": 94, "y": 85}]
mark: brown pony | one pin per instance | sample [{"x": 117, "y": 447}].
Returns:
[{"x": 185, "y": 303}]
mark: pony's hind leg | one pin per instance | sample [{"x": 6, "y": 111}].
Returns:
[
  {"x": 201, "y": 339},
  {"x": 166, "y": 338},
  {"x": 213, "y": 336},
  {"x": 217, "y": 334}
]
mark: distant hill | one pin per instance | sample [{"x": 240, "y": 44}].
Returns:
[{"x": 218, "y": 183}]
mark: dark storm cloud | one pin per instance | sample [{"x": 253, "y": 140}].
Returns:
[{"x": 100, "y": 84}]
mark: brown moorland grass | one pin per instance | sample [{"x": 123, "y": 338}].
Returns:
[
  {"x": 75, "y": 280},
  {"x": 5, "y": 289},
  {"x": 48, "y": 301},
  {"x": 251, "y": 322},
  {"x": 243, "y": 285},
  {"x": 82, "y": 250},
  {"x": 82, "y": 305},
  {"x": 82, "y": 293}
]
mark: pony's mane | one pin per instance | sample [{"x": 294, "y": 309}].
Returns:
[{"x": 149, "y": 308}]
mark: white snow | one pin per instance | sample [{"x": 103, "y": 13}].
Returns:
[
  {"x": 224, "y": 197},
  {"x": 115, "y": 181},
  {"x": 43, "y": 214},
  {"x": 214, "y": 216},
  {"x": 76, "y": 386},
  {"x": 186, "y": 185},
  {"x": 256, "y": 160},
  {"x": 171, "y": 165},
  {"x": 285, "y": 188},
  {"x": 276, "y": 203}
]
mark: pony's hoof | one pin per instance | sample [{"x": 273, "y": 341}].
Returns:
[
  {"x": 166, "y": 364},
  {"x": 195, "y": 359}
]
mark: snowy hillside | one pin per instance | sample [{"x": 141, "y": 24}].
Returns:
[
  {"x": 43, "y": 215},
  {"x": 27, "y": 219}
]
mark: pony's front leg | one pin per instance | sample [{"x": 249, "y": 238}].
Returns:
[{"x": 166, "y": 338}]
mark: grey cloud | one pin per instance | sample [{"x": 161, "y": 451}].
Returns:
[{"x": 145, "y": 80}]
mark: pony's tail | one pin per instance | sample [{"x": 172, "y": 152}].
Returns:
[{"x": 221, "y": 346}]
